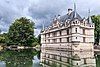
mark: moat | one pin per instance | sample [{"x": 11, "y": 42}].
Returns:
[
  {"x": 19, "y": 58},
  {"x": 27, "y": 58}
]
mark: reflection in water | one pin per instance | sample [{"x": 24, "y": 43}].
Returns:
[
  {"x": 23, "y": 58},
  {"x": 36, "y": 62},
  {"x": 54, "y": 58},
  {"x": 18, "y": 58},
  {"x": 98, "y": 61},
  {"x": 2, "y": 64}
]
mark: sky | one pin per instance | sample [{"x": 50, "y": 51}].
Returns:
[{"x": 42, "y": 11}]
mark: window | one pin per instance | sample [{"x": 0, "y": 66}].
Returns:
[
  {"x": 46, "y": 35},
  {"x": 68, "y": 60},
  {"x": 85, "y": 61},
  {"x": 83, "y": 39},
  {"x": 76, "y": 30},
  {"x": 54, "y": 40},
  {"x": 49, "y": 34},
  {"x": 49, "y": 40},
  {"x": 76, "y": 22},
  {"x": 67, "y": 31},
  {"x": 60, "y": 33},
  {"x": 60, "y": 40},
  {"x": 67, "y": 39},
  {"x": 55, "y": 57},
  {"x": 60, "y": 58},
  {"x": 53, "y": 33},
  {"x": 83, "y": 31}
]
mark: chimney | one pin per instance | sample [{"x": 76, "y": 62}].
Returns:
[{"x": 69, "y": 11}]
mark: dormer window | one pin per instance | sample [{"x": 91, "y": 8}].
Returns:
[
  {"x": 66, "y": 20},
  {"x": 69, "y": 11}
]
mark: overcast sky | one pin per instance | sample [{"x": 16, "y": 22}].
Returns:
[{"x": 42, "y": 10}]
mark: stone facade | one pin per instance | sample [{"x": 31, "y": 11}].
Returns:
[{"x": 68, "y": 41}]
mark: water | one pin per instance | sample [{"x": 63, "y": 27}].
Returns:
[
  {"x": 24, "y": 58},
  {"x": 19, "y": 58},
  {"x": 98, "y": 61},
  {"x": 36, "y": 62}
]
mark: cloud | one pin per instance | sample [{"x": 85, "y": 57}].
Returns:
[{"x": 41, "y": 11}]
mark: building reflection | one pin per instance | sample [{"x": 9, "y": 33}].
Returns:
[{"x": 69, "y": 58}]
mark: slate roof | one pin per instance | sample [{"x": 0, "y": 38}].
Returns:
[
  {"x": 89, "y": 20},
  {"x": 72, "y": 16}
]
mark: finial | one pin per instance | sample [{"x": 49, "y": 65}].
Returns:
[
  {"x": 43, "y": 27},
  {"x": 74, "y": 9},
  {"x": 74, "y": 5},
  {"x": 89, "y": 13},
  {"x": 89, "y": 17}
]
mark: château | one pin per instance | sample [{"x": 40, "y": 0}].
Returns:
[{"x": 68, "y": 41}]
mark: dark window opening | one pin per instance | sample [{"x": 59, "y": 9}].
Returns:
[
  {"x": 67, "y": 31},
  {"x": 60, "y": 59},
  {"x": 67, "y": 39},
  {"x": 85, "y": 61},
  {"x": 54, "y": 40},
  {"x": 60, "y": 40},
  {"x": 60, "y": 33},
  {"x": 84, "y": 31},
  {"x": 76, "y": 30},
  {"x": 83, "y": 39}
]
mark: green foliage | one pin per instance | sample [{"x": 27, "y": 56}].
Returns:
[
  {"x": 96, "y": 20},
  {"x": 3, "y": 38},
  {"x": 21, "y": 32},
  {"x": 35, "y": 43}
]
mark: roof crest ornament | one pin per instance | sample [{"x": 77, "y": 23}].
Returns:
[
  {"x": 74, "y": 9},
  {"x": 89, "y": 17},
  {"x": 43, "y": 26}
]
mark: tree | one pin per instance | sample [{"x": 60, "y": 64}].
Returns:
[
  {"x": 3, "y": 38},
  {"x": 96, "y": 20},
  {"x": 21, "y": 32}
]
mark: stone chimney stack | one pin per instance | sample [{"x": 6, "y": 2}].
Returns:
[{"x": 69, "y": 11}]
